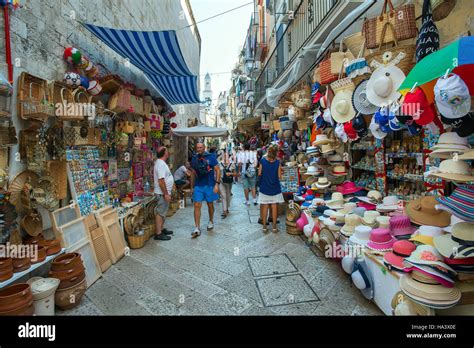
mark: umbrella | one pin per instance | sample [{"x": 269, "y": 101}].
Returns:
[
  {"x": 201, "y": 131},
  {"x": 458, "y": 57}
]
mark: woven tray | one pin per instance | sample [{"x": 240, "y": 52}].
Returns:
[{"x": 58, "y": 171}]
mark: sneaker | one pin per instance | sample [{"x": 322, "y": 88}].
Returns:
[
  {"x": 247, "y": 203},
  {"x": 161, "y": 236},
  {"x": 210, "y": 226},
  {"x": 255, "y": 202},
  {"x": 166, "y": 232},
  {"x": 196, "y": 233}
]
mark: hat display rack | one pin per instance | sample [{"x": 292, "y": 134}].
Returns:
[{"x": 386, "y": 165}]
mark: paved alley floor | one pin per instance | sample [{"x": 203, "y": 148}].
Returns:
[{"x": 234, "y": 270}]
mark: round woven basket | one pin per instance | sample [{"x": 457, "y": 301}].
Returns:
[
  {"x": 291, "y": 228},
  {"x": 32, "y": 224},
  {"x": 149, "y": 230},
  {"x": 137, "y": 242}
]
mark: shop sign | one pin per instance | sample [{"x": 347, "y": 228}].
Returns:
[{"x": 265, "y": 121}]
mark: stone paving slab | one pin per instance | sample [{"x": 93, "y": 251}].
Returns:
[
  {"x": 285, "y": 290},
  {"x": 271, "y": 265}
]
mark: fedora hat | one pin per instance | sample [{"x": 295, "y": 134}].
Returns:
[
  {"x": 452, "y": 170},
  {"x": 380, "y": 240},
  {"x": 401, "y": 250},
  {"x": 383, "y": 221},
  {"x": 460, "y": 203},
  {"x": 361, "y": 235},
  {"x": 348, "y": 187},
  {"x": 335, "y": 159},
  {"x": 322, "y": 182},
  {"x": 448, "y": 143},
  {"x": 313, "y": 171},
  {"x": 389, "y": 203},
  {"x": 342, "y": 110},
  {"x": 425, "y": 234},
  {"x": 431, "y": 275},
  {"x": 348, "y": 208},
  {"x": 369, "y": 218},
  {"x": 454, "y": 221},
  {"x": 373, "y": 197},
  {"x": 423, "y": 212},
  {"x": 321, "y": 139},
  {"x": 431, "y": 295},
  {"x": 382, "y": 87},
  {"x": 338, "y": 171},
  {"x": 459, "y": 244},
  {"x": 351, "y": 222},
  {"x": 427, "y": 255},
  {"x": 331, "y": 147},
  {"x": 400, "y": 225},
  {"x": 360, "y": 102}
]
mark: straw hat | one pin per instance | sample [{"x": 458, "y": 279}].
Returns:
[
  {"x": 400, "y": 226},
  {"x": 458, "y": 171},
  {"x": 423, "y": 212},
  {"x": 401, "y": 250},
  {"x": 381, "y": 240},
  {"x": 373, "y": 197},
  {"x": 382, "y": 87},
  {"x": 326, "y": 238},
  {"x": 427, "y": 255},
  {"x": 313, "y": 171},
  {"x": 336, "y": 201},
  {"x": 369, "y": 218},
  {"x": 361, "y": 235},
  {"x": 338, "y": 171},
  {"x": 348, "y": 208},
  {"x": 425, "y": 234},
  {"x": 342, "y": 110},
  {"x": 459, "y": 203},
  {"x": 389, "y": 203},
  {"x": 335, "y": 159},
  {"x": 449, "y": 143},
  {"x": 321, "y": 139},
  {"x": 383, "y": 221},
  {"x": 469, "y": 155},
  {"x": 351, "y": 222},
  {"x": 459, "y": 244},
  {"x": 322, "y": 183},
  {"x": 454, "y": 221},
  {"x": 360, "y": 101}
]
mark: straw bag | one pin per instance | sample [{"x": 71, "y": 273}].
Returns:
[
  {"x": 340, "y": 58},
  {"x": 402, "y": 56},
  {"x": 325, "y": 71},
  {"x": 402, "y": 18},
  {"x": 353, "y": 42},
  {"x": 120, "y": 101},
  {"x": 33, "y": 100},
  {"x": 358, "y": 69},
  {"x": 84, "y": 99},
  {"x": 302, "y": 97},
  {"x": 137, "y": 104},
  {"x": 342, "y": 83},
  {"x": 442, "y": 8}
]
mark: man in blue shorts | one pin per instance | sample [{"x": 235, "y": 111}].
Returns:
[{"x": 205, "y": 185}]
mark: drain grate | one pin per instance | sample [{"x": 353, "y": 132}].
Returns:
[
  {"x": 271, "y": 265},
  {"x": 285, "y": 290}
]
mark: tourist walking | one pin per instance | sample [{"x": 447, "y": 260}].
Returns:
[
  {"x": 228, "y": 173},
  {"x": 164, "y": 182},
  {"x": 270, "y": 194},
  {"x": 205, "y": 185},
  {"x": 248, "y": 169}
]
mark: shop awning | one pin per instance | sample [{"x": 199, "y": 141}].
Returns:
[
  {"x": 201, "y": 131},
  {"x": 158, "y": 55}
]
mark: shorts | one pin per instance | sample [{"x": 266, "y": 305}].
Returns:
[
  {"x": 249, "y": 183},
  {"x": 266, "y": 199},
  {"x": 162, "y": 206},
  {"x": 204, "y": 193}
]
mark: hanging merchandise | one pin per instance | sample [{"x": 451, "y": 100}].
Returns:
[
  {"x": 360, "y": 101},
  {"x": 72, "y": 79},
  {"x": 452, "y": 97},
  {"x": 72, "y": 55},
  {"x": 382, "y": 87},
  {"x": 325, "y": 73},
  {"x": 442, "y": 8},
  {"x": 428, "y": 38},
  {"x": 340, "y": 59},
  {"x": 341, "y": 106},
  {"x": 401, "y": 18},
  {"x": 418, "y": 107}
]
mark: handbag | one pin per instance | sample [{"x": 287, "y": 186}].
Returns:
[
  {"x": 120, "y": 101},
  {"x": 325, "y": 71},
  {"x": 428, "y": 39},
  {"x": 402, "y": 18},
  {"x": 442, "y": 8},
  {"x": 358, "y": 69},
  {"x": 340, "y": 58}
]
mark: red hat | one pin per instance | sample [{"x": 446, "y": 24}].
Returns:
[
  {"x": 417, "y": 105},
  {"x": 401, "y": 250},
  {"x": 350, "y": 131},
  {"x": 317, "y": 97}
]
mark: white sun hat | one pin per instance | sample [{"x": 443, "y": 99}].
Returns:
[{"x": 382, "y": 88}]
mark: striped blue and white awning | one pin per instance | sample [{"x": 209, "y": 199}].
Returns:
[{"x": 158, "y": 55}]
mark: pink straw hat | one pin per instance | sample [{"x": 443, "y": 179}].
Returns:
[
  {"x": 400, "y": 225},
  {"x": 381, "y": 240}
]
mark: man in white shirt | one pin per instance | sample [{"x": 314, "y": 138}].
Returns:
[
  {"x": 182, "y": 175},
  {"x": 248, "y": 170},
  {"x": 163, "y": 180}
]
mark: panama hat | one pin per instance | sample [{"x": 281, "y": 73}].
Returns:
[
  {"x": 336, "y": 201},
  {"x": 360, "y": 102},
  {"x": 425, "y": 234},
  {"x": 361, "y": 235},
  {"x": 459, "y": 244},
  {"x": 383, "y": 221},
  {"x": 338, "y": 171},
  {"x": 313, "y": 171},
  {"x": 335, "y": 159},
  {"x": 348, "y": 208},
  {"x": 431, "y": 275},
  {"x": 401, "y": 250},
  {"x": 452, "y": 170},
  {"x": 448, "y": 143},
  {"x": 431, "y": 295},
  {"x": 382, "y": 87},
  {"x": 389, "y": 203},
  {"x": 454, "y": 221},
  {"x": 321, "y": 139},
  {"x": 322, "y": 182},
  {"x": 373, "y": 197},
  {"x": 423, "y": 212},
  {"x": 369, "y": 218},
  {"x": 342, "y": 110},
  {"x": 351, "y": 222}
]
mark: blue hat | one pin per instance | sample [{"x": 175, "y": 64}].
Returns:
[
  {"x": 320, "y": 123},
  {"x": 315, "y": 88}
]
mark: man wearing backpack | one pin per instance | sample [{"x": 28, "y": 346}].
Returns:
[
  {"x": 205, "y": 185},
  {"x": 248, "y": 170}
]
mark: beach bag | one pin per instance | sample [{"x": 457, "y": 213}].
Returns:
[
  {"x": 428, "y": 38},
  {"x": 325, "y": 71},
  {"x": 339, "y": 59},
  {"x": 402, "y": 18},
  {"x": 442, "y": 8}
]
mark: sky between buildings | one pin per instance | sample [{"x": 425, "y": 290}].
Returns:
[{"x": 222, "y": 38}]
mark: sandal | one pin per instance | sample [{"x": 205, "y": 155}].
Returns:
[
  {"x": 196, "y": 233},
  {"x": 275, "y": 230},
  {"x": 265, "y": 229}
]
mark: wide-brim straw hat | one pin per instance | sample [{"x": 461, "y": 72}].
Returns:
[
  {"x": 452, "y": 170},
  {"x": 429, "y": 294},
  {"x": 342, "y": 110},
  {"x": 360, "y": 102},
  {"x": 423, "y": 212},
  {"x": 382, "y": 87},
  {"x": 321, "y": 139},
  {"x": 459, "y": 244}
]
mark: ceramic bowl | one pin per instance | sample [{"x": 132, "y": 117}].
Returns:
[
  {"x": 20, "y": 265},
  {"x": 62, "y": 297},
  {"x": 15, "y": 296}
]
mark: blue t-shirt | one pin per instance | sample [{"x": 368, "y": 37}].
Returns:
[
  {"x": 204, "y": 179},
  {"x": 269, "y": 181}
]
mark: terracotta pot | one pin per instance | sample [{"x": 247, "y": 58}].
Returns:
[
  {"x": 27, "y": 309},
  {"x": 41, "y": 255},
  {"x": 5, "y": 275},
  {"x": 62, "y": 297},
  {"x": 67, "y": 275},
  {"x": 15, "y": 296},
  {"x": 66, "y": 261},
  {"x": 52, "y": 246},
  {"x": 20, "y": 265},
  {"x": 64, "y": 284},
  {"x": 6, "y": 263},
  {"x": 34, "y": 240}
]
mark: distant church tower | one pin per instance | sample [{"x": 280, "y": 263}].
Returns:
[{"x": 207, "y": 93}]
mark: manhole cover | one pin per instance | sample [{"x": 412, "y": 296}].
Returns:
[
  {"x": 285, "y": 290},
  {"x": 271, "y": 265}
]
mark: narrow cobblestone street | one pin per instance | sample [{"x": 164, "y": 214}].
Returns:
[{"x": 234, "y": 270}]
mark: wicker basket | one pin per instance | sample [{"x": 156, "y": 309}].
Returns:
[
  {"x": 58, "y": 171},
  {"x": 33, "y": 99},
  {"x": 149, "y": 230},
  {"x": 291, "y": 228},
  {"x": 405, "y": 64},
  {"x": 136, "y": 242}
]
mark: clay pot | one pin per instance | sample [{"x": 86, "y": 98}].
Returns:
[
  {"x": 52, "y": 246},
  {"x": 27, "y": 309},
  {"x": 41, "y": 255},
  {"x": 20, "y": 265},
  {"x": 15, "y": 296},
  {"x": 69, "y": 274},
  {"x": 66, "y": 261},
  {"x": 64, "y": 284},
  {"x": 34, "y": 240},
  {"x": 6, "y": 263},
  {"x": 5, "y": 275},
  {"x": 62, "y": 297}
]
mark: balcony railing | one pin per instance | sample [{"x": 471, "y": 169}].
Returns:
[{"x": 307, "y": 18}]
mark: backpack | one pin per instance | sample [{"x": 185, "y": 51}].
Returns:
[
  {"x": 227, "y": 179},
  {"x": 250, "y": 170},
  {"x": 201, "y": 165}
]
